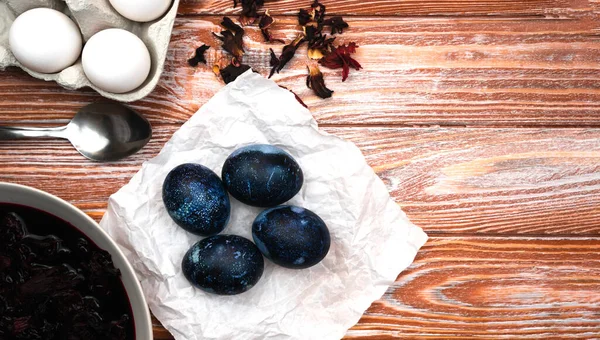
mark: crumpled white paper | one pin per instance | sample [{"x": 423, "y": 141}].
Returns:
[{"x": 372, "y": 239}]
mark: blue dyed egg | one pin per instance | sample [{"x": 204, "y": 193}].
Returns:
[
  {"x": 223, "y": 264},
  {"x": 291, "y": 237},
  {"x": 262, "y": 175},
  {"x": 196, "y": 199}
]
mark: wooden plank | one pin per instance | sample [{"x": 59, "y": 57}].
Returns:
[
  {"x": 399, "y": 8},
  {"x": 475, "y": 72},
  {"x": 466, "y": 287},
  {"x": 493, "y": 181}
]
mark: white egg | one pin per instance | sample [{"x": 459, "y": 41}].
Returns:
[
  {"x": 116, "y": 60},
  {"x": 45, "y": 40},
  {"x": 141, "y": 10}
]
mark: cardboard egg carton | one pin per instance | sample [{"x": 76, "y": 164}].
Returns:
[{"x": 92, "y": 16}]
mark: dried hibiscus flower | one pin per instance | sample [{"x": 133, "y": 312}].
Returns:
[
  {"x": 340, "y": 57},
  {"x": 249, "y": 9},
  {"x": 304, "y": 17},
  {"x": 287, "y": 54},
  {"x": 316, "y": 82},
  {"x": 337, "y": 24},
  {"x": 318, "y": 43},
  {"x": 274, "y": 62},
  {"x": 266, "y": 20},
  {"x": 318, "y": 11},
  {"x": 199, "y": 56},
  {"x": 232, "y": 38},
  {"x": 232, "y": 71}
]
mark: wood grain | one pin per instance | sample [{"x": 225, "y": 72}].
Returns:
[
  {"x": 481, "y": 117},
  {"x": 491, "y": 181},
  {"x": 493, "y": 288},
  {"x": 423, "y": 71},
  {"x": 530, "y": 8}
]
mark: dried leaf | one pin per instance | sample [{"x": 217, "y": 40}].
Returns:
[
  {"x": 316, "y": 82},
  {"x": 199, "y": 56},
  {"x": 340, "y": 57},
  {"x": 232, "y": 38}
]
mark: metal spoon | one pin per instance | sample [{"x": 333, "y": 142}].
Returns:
[{"x": 101, "y": 132}]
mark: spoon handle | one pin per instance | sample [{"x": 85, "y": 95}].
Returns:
[{"x": 10, "y": 133}]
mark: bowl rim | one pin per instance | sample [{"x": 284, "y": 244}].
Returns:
[{"x": 145, "y": 311}]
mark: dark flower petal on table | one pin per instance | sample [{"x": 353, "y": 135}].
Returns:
[
  {"x": 199, "y": 56},
  {"x": 340, "y": 57},
  {"x": 304, "y": 17},
  {"x": 266, "y": 20},
  {"x": 295, "y": 95},
  {"x": 231, "y": 72},
  {"x": 232, "y": 26},
  {"x": 289, "y": 51},
  {"x": 337, "y": 24},
  {"x": 316, "y": 82},
  {"x": 318, "y": 11},
  {"x": 318, "y": 41},
  {"x": 274, "y": 62},
  {"x": 249, "y": 7},
  {"x": 232, "y": 38},
  {"x": 315, "y": 14}
]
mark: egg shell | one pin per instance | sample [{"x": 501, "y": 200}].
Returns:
[
  {"x": 141, "y": 10},
  {"x": 223, "y": 264},
  {"x": 262, "y": 175},
  {"x": 292, "y": 237},
  {"x": 196, "y": 200},
  {"x": 45, "y": 40},
  {"x": 116, "y": 60}
]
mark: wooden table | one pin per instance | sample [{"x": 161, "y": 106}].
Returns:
[{"x": 481, "y": 116}]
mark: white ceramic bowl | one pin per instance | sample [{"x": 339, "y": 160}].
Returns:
[{"x": 26, "y": 196}]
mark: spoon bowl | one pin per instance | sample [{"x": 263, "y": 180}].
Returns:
[
  {"x": 108, "y": 131},
  {"x": 101, "y": 132}
]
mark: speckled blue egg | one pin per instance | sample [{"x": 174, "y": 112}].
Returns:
[
  {"x": 223, "y": 264},
  {"x": 291, "y": 237},
  {"x": 196, "y": 199},
  {"x": 262, "y": 175}
]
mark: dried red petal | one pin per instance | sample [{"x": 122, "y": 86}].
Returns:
[
  {"x": 249, "y": 7},
  {"x": 315, "y": 14},
  {"x": 232, "y": 38},
  {"x": 340, "y": 57},
  {"x": 318, "y": 11},
  {"x": 199, "y": 56},
  {"x": 274, "y": 62},
  {"x": 231, "y": 72},
  {"x": 337, "y": 24},
  {"x": 317, "y": 40},
  {"x": 304, "y": 17},
  {"x": 266, "y": 20},
  {"x": 316, "y": 82},
  {"x": 289, "y": 51},
  {"x": 295, "y": 95}
]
